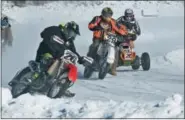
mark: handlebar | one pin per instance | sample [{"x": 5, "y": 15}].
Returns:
[{"x": 70, "y": 57}]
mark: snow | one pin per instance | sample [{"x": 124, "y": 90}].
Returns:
[
  {"x": 157, "y": 93},
  {"x": 69, "y": 108}
]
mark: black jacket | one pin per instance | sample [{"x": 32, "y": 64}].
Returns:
[
  {"x": 55, "y": 39},
  {"x": 5, "y": 22},
  {"x": 130, "y": 25}
]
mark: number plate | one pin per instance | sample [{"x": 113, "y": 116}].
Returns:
[{"x": 128, "y": 56}]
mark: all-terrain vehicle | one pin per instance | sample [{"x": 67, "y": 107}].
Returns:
[{"x": 128, "y": 57}]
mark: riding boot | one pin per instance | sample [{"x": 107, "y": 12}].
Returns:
[{"x": 69, "y": 94}]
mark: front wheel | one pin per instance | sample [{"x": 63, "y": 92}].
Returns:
[
  {"x": 88, "y": 72},
  {"x": 136, "y": 63},
  {"x": 103, "y": 70},
  {"x": 145, "y": 61},
  {"x": 58, "y": 88},
  {"x": 54, "y": 91}
]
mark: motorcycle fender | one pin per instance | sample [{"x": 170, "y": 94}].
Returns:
[
  {"x": 72, "y": 74},
  {"x": 111, "y": 55},
  {"x": 19, "y": 74}
]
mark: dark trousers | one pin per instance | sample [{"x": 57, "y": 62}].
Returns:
[{"x": 93, "y": 48}]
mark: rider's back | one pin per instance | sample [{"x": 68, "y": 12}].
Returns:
[{"x": 53, "y": 38}]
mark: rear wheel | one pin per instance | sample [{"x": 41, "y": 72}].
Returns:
[
  {"x": 19, "y": 89},
  {"x": 145, "y": 61},
  {"x": 20, "y": 86},
  {"x": 18, "y": 76},
  {"x": 136, "y": 63}
]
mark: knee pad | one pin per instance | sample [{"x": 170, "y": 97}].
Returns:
[{"x": 46, "y": 61}]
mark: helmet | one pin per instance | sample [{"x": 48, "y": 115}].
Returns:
[
  {"x": 107, "y": 12},
  {"x": 129, "y": 14},
  {"x": 72, "y": 29}
]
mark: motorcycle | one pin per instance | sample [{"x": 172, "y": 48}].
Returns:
[
  {"x": 128, "y": 57},
  {"x": 105, "y": 57},
  {"x": 62, "y": 75}
]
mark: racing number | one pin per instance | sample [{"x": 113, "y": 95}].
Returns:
[
  {"x": 112, "y": 39},
  {"x": 128, "y": 56}
]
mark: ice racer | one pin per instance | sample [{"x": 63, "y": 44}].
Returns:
[
  {"x": 56, "y": 39},
  {"x": 101, "y": 24},
  {"x": 131, "y": 24}
]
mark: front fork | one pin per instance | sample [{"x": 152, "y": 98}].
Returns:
[
  {"x": 67, "y": 70},
  {"x": 107, "y": 54},
  {"x": 111, "y": 55}
]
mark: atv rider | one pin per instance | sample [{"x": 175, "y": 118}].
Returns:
[
  {"x": 132, "y": 25},
  {"x": 100, "y": 25},
  {"x": 5, "y": 22},
  {"x": 56, "y": 39}
]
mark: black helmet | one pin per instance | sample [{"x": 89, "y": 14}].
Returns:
[
  {"x": 129, "y": 12},
  {"x": 107, "y": 12},
  {"x": 72, "y": 29},
  {"x": 74, "y": 26}
]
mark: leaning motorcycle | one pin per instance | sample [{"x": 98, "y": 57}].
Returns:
[
  {"x": 105, "y": 57},
  {"x": 62, "y": 75}
]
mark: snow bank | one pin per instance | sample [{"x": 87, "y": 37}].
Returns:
[
  {"x": 173, "y": 59},
  {"x": 38, "y": 106},
  {"x": 176, "y": 58},
  {"x": 74, "y": 10}
]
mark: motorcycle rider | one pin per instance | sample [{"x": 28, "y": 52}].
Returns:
[
  {"x": 100, "y": 25},
  {"x": 6, "y": 31},
  {"x": 5, "y": 22},
  {"x": 56, "y": 39},
  {"x": 131, "y": 24}
]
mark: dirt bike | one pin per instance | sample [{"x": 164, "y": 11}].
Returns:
[
  {"x": 128, "y": 57},
  {"x": 105, "y": 57},
  {"x": 62, "y": 75}
]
